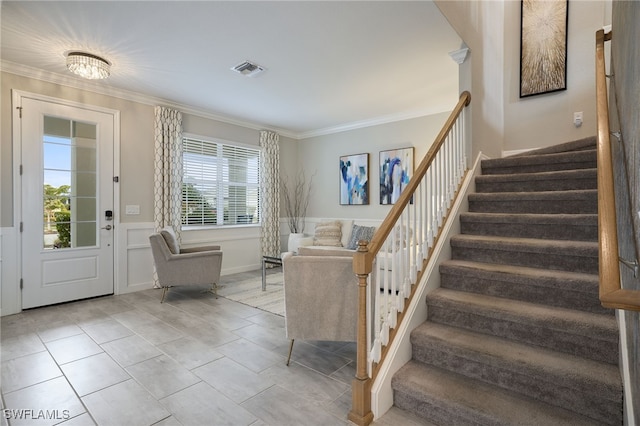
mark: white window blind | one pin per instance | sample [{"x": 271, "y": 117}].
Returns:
[{"x": 220, "y": 183}]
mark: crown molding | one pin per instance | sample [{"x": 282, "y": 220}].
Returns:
[
  {"x": 101, "y": 89},
  {"x": 407, "y": 115}
]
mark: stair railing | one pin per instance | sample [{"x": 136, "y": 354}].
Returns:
[
  {"x": 612, "y": 295},
  {"x": 391, "y": 264}
]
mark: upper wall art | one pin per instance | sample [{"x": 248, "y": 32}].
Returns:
[
  {"x": 354, "y": 179},
  {"x": 396, "y": 168},
  {"x": 543, "y": 46}
]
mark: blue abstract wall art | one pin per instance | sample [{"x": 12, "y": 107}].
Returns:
[
  {"x": 396, "y": 168},
  {"x": 354, "y": 179}
]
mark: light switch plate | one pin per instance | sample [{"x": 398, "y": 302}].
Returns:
[{"x": 132, "y": 209}]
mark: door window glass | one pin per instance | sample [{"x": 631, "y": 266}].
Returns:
[{"x": 69, "y": 184}]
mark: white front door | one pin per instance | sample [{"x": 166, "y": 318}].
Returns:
[{"x": 67, "y": 202}]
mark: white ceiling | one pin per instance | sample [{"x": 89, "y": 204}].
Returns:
[{"x": 329, "y": 64}]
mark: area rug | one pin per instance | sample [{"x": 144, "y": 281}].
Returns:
[{"x": 249, "y": 292}]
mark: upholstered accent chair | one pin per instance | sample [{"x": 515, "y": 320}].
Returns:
[
  {"x": 178, "y": 266},
  {"x": 320, "y": 297}
]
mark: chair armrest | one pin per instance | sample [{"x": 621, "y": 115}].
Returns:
[
  {"x": 195, "y": 249},
  {"x": 195, "y": 255}
]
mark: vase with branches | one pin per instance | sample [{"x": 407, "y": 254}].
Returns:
[{"x": 296, "y": 195}]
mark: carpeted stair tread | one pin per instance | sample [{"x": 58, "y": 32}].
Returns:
[
  {"x": 516, "y": 332},
  {"x": 543, "y": 181},
  {"x": 447, "y": 398},
  {"x": 549, "y": 376},
  {"x": 588, "y": 143},
  {"x": 582, "y": 227},
  {"x": 582, "y": 201},
  {"x": 555, "y": 288},
  {"x": 571, "y": 331},
  {"x": 566, "y": 255},
  {"x": 531, "y": 163}
]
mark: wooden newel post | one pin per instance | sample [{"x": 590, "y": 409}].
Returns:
[{"x": 360, "y": 413}]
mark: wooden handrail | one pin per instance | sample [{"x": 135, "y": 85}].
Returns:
[
  {"x": 387, "y": 225},
  {"x": 610, "y": 291},
  {"x": 363, "y": 265}
]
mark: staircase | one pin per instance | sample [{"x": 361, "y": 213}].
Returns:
[{"x": 516, "y": 334}]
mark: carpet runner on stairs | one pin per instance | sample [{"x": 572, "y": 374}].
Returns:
[{"x": 516, "y": 334}]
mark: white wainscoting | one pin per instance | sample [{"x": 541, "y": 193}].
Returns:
[
  {"x": 11, "y": 302},
  {"x": 240, "y": 245},
  {"x": 134, "y": 263},
  {"x": 134, "y": 267}
]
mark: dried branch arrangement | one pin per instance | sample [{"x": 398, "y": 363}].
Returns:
[{"x": 296, "y": 200}]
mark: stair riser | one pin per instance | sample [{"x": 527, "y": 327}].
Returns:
[
  {"x": 438, "y": 412},
  {"x": 559, "y": 262},
  {"x": 536, "y": 185},
  {"x": 543, "y": 294},
  {"x": 582, "y": 397},
  {"x": 531, "y": 230},
  {"x": 534, "y": 206},
  {"x": 537, "y": 168},
  {"x": 526, "y": 332}
]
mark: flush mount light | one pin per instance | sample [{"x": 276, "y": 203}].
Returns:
[{"x": 88, "y": 66}]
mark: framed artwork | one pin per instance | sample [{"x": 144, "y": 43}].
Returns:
[
  {"x": 543, "y": 46},
  {"x": 354, "y": 179},
  {"x": 396, "y": 168}
]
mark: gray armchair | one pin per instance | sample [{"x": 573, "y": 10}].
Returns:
[
  {"x": 320, "y": 297},
  {"x": 177, "y": 266}
]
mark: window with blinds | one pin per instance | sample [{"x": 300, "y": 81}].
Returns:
[{"x": 220, "y": 183}]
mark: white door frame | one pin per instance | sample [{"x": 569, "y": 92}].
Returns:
[{"x": 17, "y": 96}]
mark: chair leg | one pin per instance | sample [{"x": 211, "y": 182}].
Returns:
[
  {"x": 214, "y": 289},
  {"x": 290, "y": 350},
  {"x": 164, "y": 292}
]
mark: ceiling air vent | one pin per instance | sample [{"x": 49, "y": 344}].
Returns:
[{"x": 248, "y": 68}]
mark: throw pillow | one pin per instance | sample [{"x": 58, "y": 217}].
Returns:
[
  {"x": 171, "y": 239},
  {"x": 360, "y": 233},
  {"x": 346, "y": 232},
  {"x": 328, "y": 234}
]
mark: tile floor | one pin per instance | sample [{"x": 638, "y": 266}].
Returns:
[{"x": 193, "y": 360}]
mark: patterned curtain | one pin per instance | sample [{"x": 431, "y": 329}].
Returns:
[
  {"x": 270, "y": 193},
  {"x": 167, "y": 171}
]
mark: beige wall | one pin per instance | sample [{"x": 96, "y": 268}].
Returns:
[
  {"x": 321, "y": 154},
  {"x": 545, "y": 120},
  {"x": 136, "y": 142},
  {"x": 501, "y": 120},
  {"x": 480, "y": 25}
]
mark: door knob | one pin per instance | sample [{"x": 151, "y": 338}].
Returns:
[{"x": 108, "y": 227}]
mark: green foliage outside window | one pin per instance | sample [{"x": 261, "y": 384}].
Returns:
[{"x": 63, "y": 226}]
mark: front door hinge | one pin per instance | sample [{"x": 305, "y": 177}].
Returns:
[
  {"x": 20, "y": 110},
  {"x": 21, "y": 283},
  {"x": 21, "y": 226},
  {"x": 116, "y": 179},
  {"x": 20, "y": 169}
]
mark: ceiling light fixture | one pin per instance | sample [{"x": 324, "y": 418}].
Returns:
[{"x": 88, "y": 66}]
